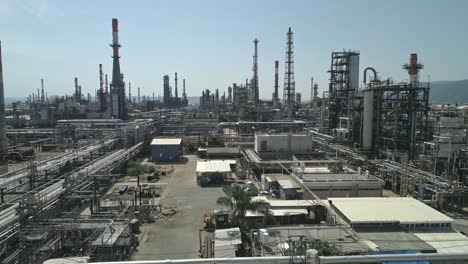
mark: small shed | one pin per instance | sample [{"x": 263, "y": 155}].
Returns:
[
  {"x": 289, "y": 190},
  {"x": 213, "y": 171},
  {"x": 166, "y": 149}
]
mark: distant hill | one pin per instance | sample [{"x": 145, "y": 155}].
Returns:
[{"x": 449, "y": 92}]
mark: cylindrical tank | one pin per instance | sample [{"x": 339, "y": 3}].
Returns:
[
  {"x": 354, "y": 71},
  {"x": 368, "y": 120},
  {"x": 135, "y": 226}
]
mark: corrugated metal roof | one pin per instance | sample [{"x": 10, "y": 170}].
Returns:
[
  {"x": 166, "y": 141},
  {"x": 277, "y": 204},
  {"x": 404, "y": 210},
  {"x": 278, "y": 212},
  {"x": 214, "y": 166}
]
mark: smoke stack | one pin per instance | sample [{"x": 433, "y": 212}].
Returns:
[
  {"x": 38, "y": 95},
  {"x": 312, "y": 95},
  {"x": 276, "y": 78},
  {"x": 76, "y": 87},
  {"x": 255, "y": 90},
  {"x": 413, "y": 69},
  {"x": 130, "y": 92},
  {"x": 3, "y": 138},
  {"x": 176, "y": 91},
  {"x": 184, "y": 94},
  {"x": 275, "y": 94},
  {"x": 101, "y": 83},
  {"x": 139, "y": 95},
  {"x": 107, "y": 85},
  {"x": 115, "y": 37},
  {"x": 42, "y": 91}
]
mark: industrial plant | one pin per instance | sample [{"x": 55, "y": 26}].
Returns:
[{"x": 369, "y": 171}]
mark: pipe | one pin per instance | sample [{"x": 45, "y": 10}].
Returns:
[
  {"x": 300, "y": 259},
  {"x": 3, "y": 138},
  {"x": 373, "y": 71}
]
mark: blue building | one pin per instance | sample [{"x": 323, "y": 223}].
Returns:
[{"x": 166, "y": 149}]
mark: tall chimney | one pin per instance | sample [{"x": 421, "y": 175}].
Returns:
[
  {"x": 275, "y": 94},
  {"x": 42, "y": 91},
  {"x": 118, "y": 103},
  {"x": 139, "y": 95},
  {"x": 312, "y": 95},
  {"x": 184, "y": 94},
  {"x": 130, "y": 92},
  {"x": 101, "y": 83},
  {"x": 115, "y": 37},
  {"x": 3, "y": 138},
  {"x": 413, "y": 69},
  {"x": 176, "y": 91},
  {"x": 76, "y": 87},
  {"x": 107, "y": 85}
]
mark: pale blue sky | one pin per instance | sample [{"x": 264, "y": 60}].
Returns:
[{"x": 210, "y": 42}]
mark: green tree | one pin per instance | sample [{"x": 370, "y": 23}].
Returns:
[
  {"x": 240, "y": 201},
  {"x": 134, "y": 168}
]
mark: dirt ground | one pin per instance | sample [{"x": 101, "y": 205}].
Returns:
[{"x": 177, "y": 236}]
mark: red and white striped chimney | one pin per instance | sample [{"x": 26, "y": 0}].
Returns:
[{"x": 115, "y": 37}]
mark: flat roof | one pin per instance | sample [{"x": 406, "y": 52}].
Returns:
[
  {"x": 166, "y": 141},
  {"x": 281, "y": 204},
  {"x": 340, "y": 236},
  {"x": 334, "y": 177},
  {"x": 287, "y": 184},
  {"x": 317, "y": 170},
  {"x": 278, "y": 212},
  {"x": 393, "y": 240},
  {"x": 404, "y": 210},
  {"x": 222, "y": 150},
  {"x": 229, "y": 236},
  {"x": 275, "y": 177},
  {"x": 214, "y": 166},
  {"x": 445, "y": 242}
]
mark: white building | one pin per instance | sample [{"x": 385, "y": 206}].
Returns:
[{"x": 295, "y": 143}]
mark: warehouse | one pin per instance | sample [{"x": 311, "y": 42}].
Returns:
[
  {"x": 379, "y": 212},
  {"x": 166, "y": 149}
]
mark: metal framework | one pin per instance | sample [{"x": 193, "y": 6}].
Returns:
[
  {"x": 342, "y": 86},
  {"x": 289, "y": 82},
  {"x": 401, "y": 116}
]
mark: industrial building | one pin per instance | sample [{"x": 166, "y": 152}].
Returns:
[
  {"x": 367, "y": 166},
  {"x": 325, "y": 183},
  {"x": 401, "y": 212},
  {"x": 213, "y": 171},
  {"x": 166, "y": 149},
  {"x": 289, "y": 143}
]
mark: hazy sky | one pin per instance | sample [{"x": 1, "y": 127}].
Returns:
[{"x": 210, "y": 42}]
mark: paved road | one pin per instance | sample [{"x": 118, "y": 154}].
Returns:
[{"x": 177, "y": 237}]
